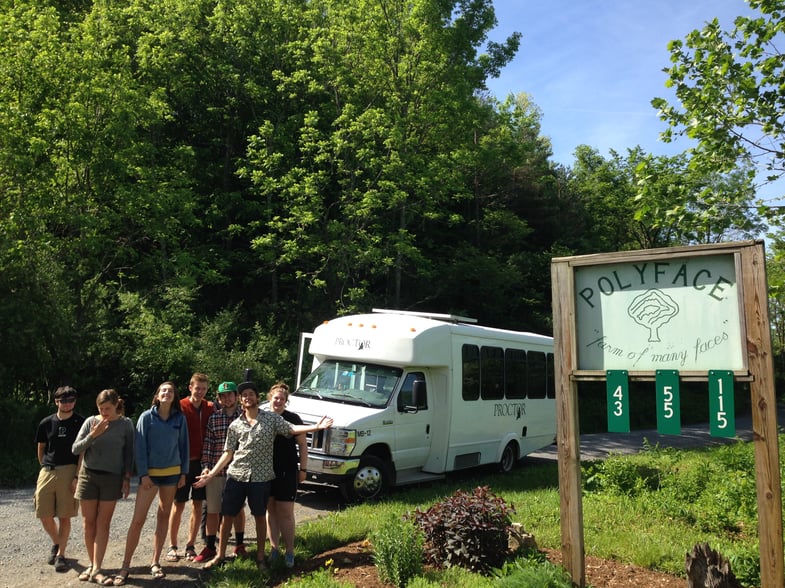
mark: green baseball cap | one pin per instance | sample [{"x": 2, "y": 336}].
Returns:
[{"x": 227, "y": 387}]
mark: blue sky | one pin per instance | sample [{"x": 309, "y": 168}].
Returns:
[{"x": 593, "y": 66}]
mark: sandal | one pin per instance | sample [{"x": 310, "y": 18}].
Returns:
[
  {"x": 216, "y": 562},
  {"x": 86, "y": 573},
  {"x": 121, "y": 578},
  {"x": 190, "y": 552},
  {"x": 101, "y": 579},
  {"x": 157, "y": 571},
  {"x": 171, "y": 555}
]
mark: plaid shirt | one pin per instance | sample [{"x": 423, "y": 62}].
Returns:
[{"x": 215, "y": 437}]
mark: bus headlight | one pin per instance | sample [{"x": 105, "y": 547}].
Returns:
[{"x": 341, "y": 441}]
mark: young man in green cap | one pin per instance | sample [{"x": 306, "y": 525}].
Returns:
[{"x": 213, "y": 448}]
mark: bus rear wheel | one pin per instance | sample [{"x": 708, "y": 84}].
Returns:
[
  {"x": 370, "y": 480},
  {"x": 509, "y": 457}
]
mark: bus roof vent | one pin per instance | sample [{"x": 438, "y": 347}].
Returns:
[{"x": 452, "y": 318}]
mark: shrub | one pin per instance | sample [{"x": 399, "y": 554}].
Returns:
[
  {"x": 532, "y": 570},
  {"x": 398, "y": 546},
  {"x": 622, "y": 474},
  {"x": 467, "y": 529}
]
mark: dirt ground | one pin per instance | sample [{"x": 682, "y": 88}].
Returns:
[{"x": 353, "y": 564}]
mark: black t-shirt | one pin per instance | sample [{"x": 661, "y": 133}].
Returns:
[
  {"x": 285, "y": 448},
  {"x": 59, "y": 436}
]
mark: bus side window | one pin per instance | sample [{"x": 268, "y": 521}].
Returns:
[
  {"x": 537, "y": 374},
  {"x": 406, "y": 395},
  {"x": 551, "y": 375}
]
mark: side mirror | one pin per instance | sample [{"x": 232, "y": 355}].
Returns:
[{"x": 419, "y": 392}]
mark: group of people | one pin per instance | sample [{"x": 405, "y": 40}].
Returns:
[{"x": 223, "y": 453}]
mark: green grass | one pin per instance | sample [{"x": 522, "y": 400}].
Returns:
[{"x": 648, "y": 509}]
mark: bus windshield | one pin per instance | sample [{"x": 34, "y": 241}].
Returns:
[{"x": 350, "y": 382}]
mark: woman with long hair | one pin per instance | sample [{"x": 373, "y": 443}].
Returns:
[
  {"x": 106, "y": 442},
  {"x": 290, "y": 455},
  {"x": 161, "y": 464}
]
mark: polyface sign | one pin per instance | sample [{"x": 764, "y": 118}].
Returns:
[{"x": 681, "y": 314}]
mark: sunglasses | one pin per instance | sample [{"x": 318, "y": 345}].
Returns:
[{"x": 67, "y": 399}]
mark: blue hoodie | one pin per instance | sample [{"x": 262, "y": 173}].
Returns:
[{"x": 160, "y": 443}]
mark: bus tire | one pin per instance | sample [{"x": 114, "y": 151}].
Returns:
[
  {"x": 369, "y": 482},
  {"x": 509, "y": 457}
]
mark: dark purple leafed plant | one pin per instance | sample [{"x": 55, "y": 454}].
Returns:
[{"x": 469, "y": 530}]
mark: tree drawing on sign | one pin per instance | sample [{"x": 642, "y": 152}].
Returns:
[{"x": 652, "y": 310}]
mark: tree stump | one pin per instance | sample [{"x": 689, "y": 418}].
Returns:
[{"x": 708, "y": 569}]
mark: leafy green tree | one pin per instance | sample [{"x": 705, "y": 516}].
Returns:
[
  {"x": 642, "y": 201},
  {"x": 497, "y": 248},
  {"x": 356, "y": 184},
  {"x": 729, "y": 85}
]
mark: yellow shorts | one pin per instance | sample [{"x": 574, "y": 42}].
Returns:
[{"x": 54, "y": 494}]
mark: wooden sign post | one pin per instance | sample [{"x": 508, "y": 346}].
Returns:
[{"x": 666, "y": 315}]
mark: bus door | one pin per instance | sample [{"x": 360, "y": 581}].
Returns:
[{"x": 413, "y": 424}]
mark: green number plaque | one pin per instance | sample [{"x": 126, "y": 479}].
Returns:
[
  {"x": 668, "y": 402},
  {"x": 618, "y": 401},
  {"x": 722, "y": 419}
]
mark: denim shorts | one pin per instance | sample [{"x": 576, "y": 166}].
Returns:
[{"x": 165, "y": 480}]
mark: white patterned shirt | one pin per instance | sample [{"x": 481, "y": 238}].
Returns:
[{"x": 253, "y": 446}]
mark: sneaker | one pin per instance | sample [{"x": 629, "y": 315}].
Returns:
[
  {"x": 190, "y": 552},
  {"x": 52, "y": 555},
  {"x": 274, "y": 554},
  {"x": 60, "y": 564},
  {"x": 289, "y": 558},
  {"x": 207, "y": 554},
  {"x": 239, "y": 551}
]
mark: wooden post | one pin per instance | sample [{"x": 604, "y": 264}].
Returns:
[
  {"x": 764, "y": 417},
  {"x": 567, "y": 428}
]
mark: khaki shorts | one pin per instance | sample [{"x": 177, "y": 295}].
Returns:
[
  {"x": 215, "y": 491},
  {"x": 53, "y": 494}
]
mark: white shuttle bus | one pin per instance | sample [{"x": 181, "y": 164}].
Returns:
[{"x": 416, "y": 395}]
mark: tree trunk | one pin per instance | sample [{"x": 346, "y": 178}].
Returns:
[{"x": 708, "y": 569}]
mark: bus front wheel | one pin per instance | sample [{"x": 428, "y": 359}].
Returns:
[{"x": 369, "y": 481}]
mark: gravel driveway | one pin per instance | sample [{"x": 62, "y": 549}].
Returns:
[{"x": 24, "y": 546}]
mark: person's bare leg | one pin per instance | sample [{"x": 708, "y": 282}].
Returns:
[
  {"x": 261, "y": 536},
  {"x": 211, "y": 524},
  {"x": 195, "y": 521},
  {"x": 273, "y": 530},
  {"x": 284, "y": 515},
  {"x": 89, "y": 516},
  {"x": 223, "y": 541},
  {"x": 63, "y": 532},
  {"x": 101, "y": 536},
  {"x": 174, "y": 523},
  {"x": 51, "y": 528},
  {"x": 239, "y": 521},
  {"x": 165, "y": 501},
  {"x": 144, "y": 498}
]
